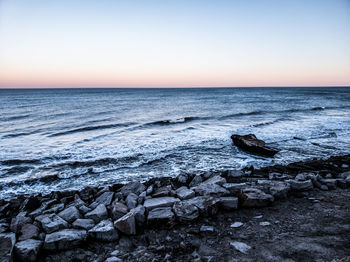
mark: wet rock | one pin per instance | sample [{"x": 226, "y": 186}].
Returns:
[
  {"x": 253, "y": 145},
  {"x": 131, "y": 200},
  {"x": 28, "y": 231},
  {"x": 83, "y": 223},
  {"x": 204, "y": 189},
  {"x": 132, "y": 187},
  {"x": 160, "y": 202},
  {"x": 118, "y": 210},
  {"x": 51, "y": 222},
  {"x": 18, "y": 221},
  {"x": 7, "y": 242},
  {"x": 126, "y": 224},
  {"x": 185, "y": 211},
  {"x": 104, "y": 231},
  {"x": 184, "y": 193},
  {"x": 253, "y": 197},
  {"x": 162, "y": 191},
  {"x": 98, "y": 214},
  {"x": 70, "y": 214},
  {"x": 106, "y": 198},
  {"x": 196, "y": 181},
  {"x": 300, "y": 185},
  {"x": 28, "y": 250},
  {"x": 206, "y": 205},
  {"x": 161, "y": 216},
  {"x": 240, "y": 246},
  {"x": 228, "y": 203},
  {"x": 64, "y": 239}
]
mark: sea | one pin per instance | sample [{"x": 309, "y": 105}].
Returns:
[{"x": 63, "y": 139}]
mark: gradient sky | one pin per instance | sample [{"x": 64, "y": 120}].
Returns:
[{"x": 174, "y": 43}]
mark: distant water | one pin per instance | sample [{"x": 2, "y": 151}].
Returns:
[{"x": 70, "y": 138}]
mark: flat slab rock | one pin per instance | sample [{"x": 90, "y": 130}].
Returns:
[
  {"x": 253, "y": 145},
  {"x": 152, "y": 203},
  {"x": 64, "y": 239},
  {"x": 104, "y": 231},
  {"x": 253, "y": 197},
  {"x": 161, "y": 216}
]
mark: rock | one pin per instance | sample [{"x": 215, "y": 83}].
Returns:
[
  {"x": 55, "y": 208},
  {"x": 347, "y": 179},
  {"x": 215, "y": 180},
  {"x": 184, "y": 193},
  {"x": 84, "y": 209},
  {"x": 228, "y": 203},
  {"x": 204, "y": 189},
  {"x": 324, "y": 187},
  {"x": 196, "y": 181},
  {"x": 160, "y": 202},
  {"x": 18, "y": 221},
  {"x": 3, "y": 227},
  {"x": 300, "y": 177},
  {"x": 330, "y": 183},
  {"x": 83, "y": 223},
  {"x": 236, "y": 225},
  {"x": 132, "y": 187},
  {"x": 64, "y": 239},
  {"x": 113, "y": 259},
  {"x": 182, "y": 179},
  {"x": 253, "y": 145},
  {"x": 235, "y": 174},
  {"x": 342, "y": 183},
  {"x": 253, "y": 197},
  {"x": 28, "y": 231},
  {"x": 185, "y": 211},
  {"x": 205, "y": 229},
  {"x": 7, "y": 242},
  {"x": 300, "y": 185},
  {"x": 70, "y": 214},
  {"x": 118, "y": 210},
  {"x": 277, "y": 189},
  {"x": 87, "y": 194},
  {"x": 51, "y": 222},
  {"x": 98, "y": 214},
  {"x": 240, "y": 246},
  {"x": 149, "y": 190},
  {"x": 206, "y": 205},
  {"x": 31, "y": 203},
  {"x": 104, "y": 231},
  {"x": 126, "y": 224},
  {"x": 140, "y": 218},
  {"x": 28, "y": 250},
  {"x": 106, "y": 198},
  {"x": 131, "y": 200},
  {"x": 162, "y": 191},
  {"x": 234, "y": 188},
  {"x": 161, "y": 216},
  {"x": 264, "y": 223}
]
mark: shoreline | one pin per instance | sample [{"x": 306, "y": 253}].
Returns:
[{"x": 120, "y": 222}]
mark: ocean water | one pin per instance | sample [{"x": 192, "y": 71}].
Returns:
[{"x": 58, "y": 139}]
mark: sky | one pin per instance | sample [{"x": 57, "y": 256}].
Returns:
[{"x": 174, "y": 43}]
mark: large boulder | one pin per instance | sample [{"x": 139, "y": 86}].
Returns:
[
  {"x": 152, "y": 203},
  {"x": 64, "y": 239},
  {"x": 104, "y": 231},
  {"x": 118, "y": 210},
  {"x": 126, "y": 224},
  {"x": 7, "y": 242},
  {"x": 161, "y": 216},
  {"x": 184, "y": 193},
  {"x": 253, "y": 145},
  {"x": 131, "y": 200},
  {"x": 28, "y": 250},
  {"x": 206, "y": 205},
  {"x": 215, "y": 180},
  {"x": 18, "y": 221},
  {"x": 82, "y": 223},
  {"x": 253, "y": 197},
  {"x": 185, "y": 211},
  {"x": 140, "y": 218},
  {"x": 278, "y": 189},
  {"x": 132, "y": 187},
  {"x": 234, "y": 188},
  {"x": 51, "y": 222},
  {"x": 300, "y": 185},
  {"x": 106, "y": 198},
  {"x": 98, "y": 214},
  {"x": 70, "y": 214},
  {"x": 28, "y": 231}
]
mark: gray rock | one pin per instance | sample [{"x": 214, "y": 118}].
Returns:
[
  {"x": 277, "y": 189},
  {"x": 113, "y": 259},
  {"x": 185, "y": 193},
  {"x": 215, "y": 180},
  {"x": 330, "y": 183},
  {"x": 84, "y": 209},
  {"x": 70, "y": 214},
  {"x": 161, "y": 216},
  {"x": 240, "y": 246},
  {"x": 51, "y": 222},
  {"x": 253, "y": 197},
  {"x": 28, "y": 250},
  {"x": 300, "y": 185},
  {"x": 206, "y": 205},
  {"x": 206, "y": 229},
  {"x": 149, "y": 190},
  {"x": 185, "y": 211},
  {"x": 83, "y": 223},
  {"x": 3, "y": 227},
  {"x": 160, "y": 202},
  {"x": 104, "y": 231},
  {"x": 182, "y": 179},
  {"x": 140, "y": 218},
  {"x": 54, "y": 209},
  {"x": 228, "y": 203},
  {"x": 28, "y": 231},
  {"x": 132, "y": 187},
  {"x": 205, "y": 189},
  {"x": 18, "y": 221},
  {"x": 7, "y": 243},
  {"x": 118, "y": 210},
  {"x": 126, "y": 224},
  {"x": 64, "y": 239},
  {"x": 196, "y": 181},
  {"x": 265, "y": 223},
  {"x": 234, "y": 188},
  {"x": 235, "y": 174},
  {"x": 300, "y": 177},
  {"x": 131, "y": 200},
  {"x": 324, "y": 187},
  {"x": 106, "y": 198},
  {"x": 236, "y": 225},
  {"x": 162, "y": 191},
  {"x": 98, "y": 214}
]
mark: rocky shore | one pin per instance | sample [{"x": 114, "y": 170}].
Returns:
[{"x": 298, "y": 212}]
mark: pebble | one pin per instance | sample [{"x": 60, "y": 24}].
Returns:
[
  {"x": 207, "y": 229},
  {"x": 236, "y": 224},
  {"x": 258, "y": 217},
  {"x": 240, "y": 246},
  {"x": 264, "y": 224}
]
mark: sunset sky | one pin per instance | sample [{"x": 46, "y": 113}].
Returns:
[{"x": 174, "y": 43}]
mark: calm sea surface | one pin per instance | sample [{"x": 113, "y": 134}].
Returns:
[{"x": 70, "y": 138}]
